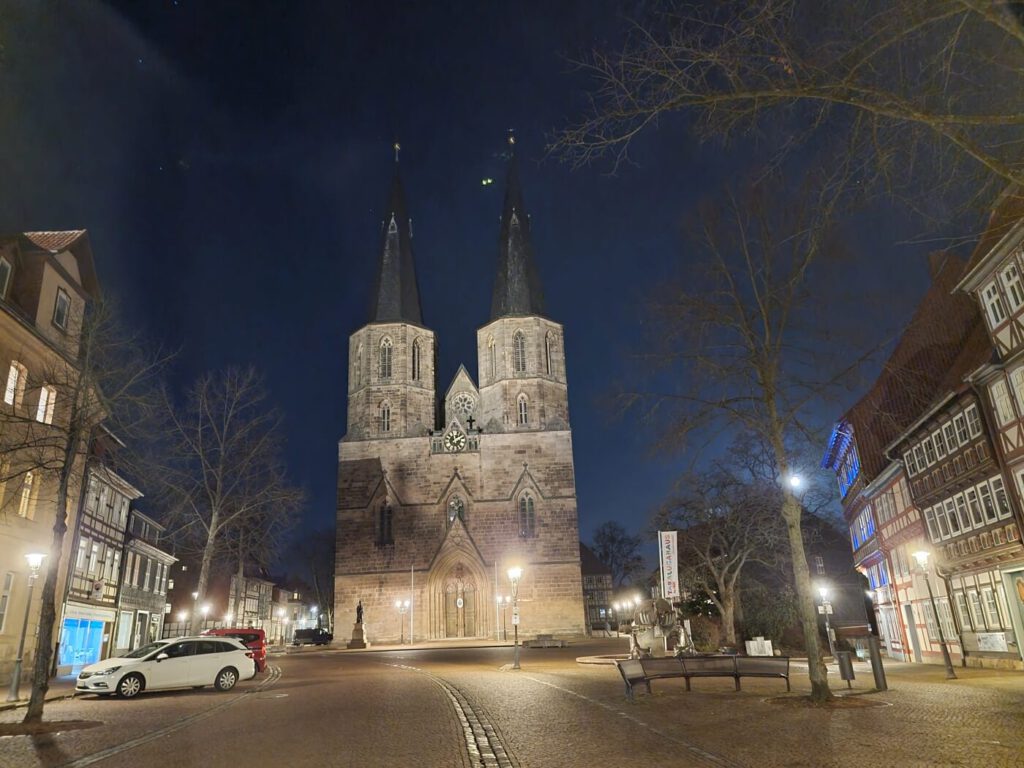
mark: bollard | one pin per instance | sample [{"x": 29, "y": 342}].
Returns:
[
  {"x": 874, "y": 649},
  {"x": 845, "y": 661}
]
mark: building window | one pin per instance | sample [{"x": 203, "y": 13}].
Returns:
[
  {"x": 456, "y": 509},
  {"x": 940, "y": 444},
  {"x": 357, "y": 370},
  {"x": 1012, "y": 285},
  {"x": 929, "y": 451},
  {"x": 1001, "y": 401},
  {"x": 5, "y": 598},
  {"x": 547, "y": 354},
  {"x": 973, "y": 421},
  {"x": 977, "y": 618},
  {"x": 986, "y": 502},
  {"x": 975, "y": 507},
  {"x": 386, "y": 348},
  {"x": 819, "y": 564},
  {"x": 527, "y": 518},
  {"x": 16, "y": 377},
  {"x": 5, "y": 276},
  {"x": 950, "y": 433},
  {"x": 919, "y": 458},
  {"x": 524, "y": 415},
  {"x": 994, "y": 305},
  {"x": 961, "y": 429},
  {"x": 25, "y": 502},
  {"x": 493, "y": 356},
  {"x": 416, "y": 360},
  {"x": 1017, "y": 380},
  {"x": 999, "y": 492},
  {"x": 47, "y": 398},
  {"x": 908, "y": 461},
  {"x": 519, "y": 352},
  {"x": 384, "y": 520},
  {"x": 62, "y": 309},
  {"x": 384, "y": 416}
]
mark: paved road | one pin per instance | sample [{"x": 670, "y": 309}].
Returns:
[{"x": 455, "y": 708}]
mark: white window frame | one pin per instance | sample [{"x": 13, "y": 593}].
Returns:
[
  {"x": 910, "y": 463},
  {"x": 940, "y": 443},
  {"x": 1000, "y": 395},
  {"x": 1010, "y": 278},
  {"x": 6, "y": 270},
  {"x": 973, "y": 420},
  {"x": 522, "y": 411},
  {"x": 960, "y": 423},
  {"x": 385, "y": 362},
  {"x": 999, "y": 497},
  {"x": 25, "y": 502},
  {"x": 993, "y": 302},
  {"x": 519, "y": 352},
  {"x": 949, "y": 431},
  {"x": 384, "y": 416},
  {"x": 922, "y": 462},
  {"x": 47, "y": 400},
  {"x": 977, "y": 610},
  {"x": 6, "y": 590},
  {"x": 17, "y": 375},
  {"x": 62, "y": 309}
]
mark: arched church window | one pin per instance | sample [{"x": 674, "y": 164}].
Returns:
[
  {"x": 386, "y": 348},
  {"x": 527, "y": 518},
  {"x": 385, "y": 416},
  {"x": 519, "y": 352},
  {"x": 357, "y": 373},
  {"x": 523, "y": 409},
  {"x": 416, "y": 360},
  {"x": 493, "y": 356},
  {"x": 548, "y": 344},
  {"x": 385, "y": 516},
  {"x": 456, "y": 509}
]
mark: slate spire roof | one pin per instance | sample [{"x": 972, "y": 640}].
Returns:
[
  {"x": 516, "y": 288},
  {"x": 396, "y": 297}
]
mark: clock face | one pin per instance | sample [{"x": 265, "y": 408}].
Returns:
[
  {"x": 463, "y": 404},
  {"x": 454, "y": 441}
]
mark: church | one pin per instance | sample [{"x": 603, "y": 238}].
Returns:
[{"x": 441, "y": 492}]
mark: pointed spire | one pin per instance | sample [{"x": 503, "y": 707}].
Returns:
[
  {"x": 516, "y": 287},
  {"x": 396, "y": 297}
]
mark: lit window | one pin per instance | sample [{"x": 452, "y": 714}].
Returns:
[
  {"x": 1012, "y": 284},
  {"x": 24, "y": 505},
  {"x": 47, "y": 398},
  {"x": 61, "y": 309},
  {"x": 386, "y": 348},
  {"x": 385, "y": 416},
  {"x": 994, "y": 305},
  {"x": 16, "y": 377},
  {"x": 524, "y": 416},
  {"x": 519, "y": 352},
  {"x": 527, "y": 518},
  {"x": 5, "y": 276}
]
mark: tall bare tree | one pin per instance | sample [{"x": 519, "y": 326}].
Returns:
[
  {"x": 95, "y": 374},
  {"x": 225, "y": 478},
  {"x": 726, "y": 522},
  {"x": 620, "y": 551},
  {"x": 927, "y": 93}
]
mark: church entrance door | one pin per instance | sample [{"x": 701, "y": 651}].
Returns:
[{"x": 460, "y": 602}]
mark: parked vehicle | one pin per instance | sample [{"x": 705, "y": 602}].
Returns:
[
  {"x": 177, "y": 662},
  {"x": 312, "y": 637},
  {"x": 253, "y": 639}
]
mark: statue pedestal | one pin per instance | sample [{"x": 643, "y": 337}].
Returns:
[{"x": 358, "y": 639}]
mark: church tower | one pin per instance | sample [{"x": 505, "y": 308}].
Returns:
[
  {"x": 391, "y": 381},
  {"x": 521, "y": 365}
]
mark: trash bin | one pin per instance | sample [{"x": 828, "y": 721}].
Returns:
[{"x": 845, "y": 661}]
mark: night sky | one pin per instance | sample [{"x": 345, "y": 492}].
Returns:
[{"x": 230, "y": 161}]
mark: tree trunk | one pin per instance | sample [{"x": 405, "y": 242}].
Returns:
[
  {"x": 806, "y": 608},
  {"x": 729, "y": 617},
  {"x": 204, "y": 573},
  {"x": 239, "y": 585}
]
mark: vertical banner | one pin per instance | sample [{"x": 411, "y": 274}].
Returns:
[{"x": 669, "y": 565}]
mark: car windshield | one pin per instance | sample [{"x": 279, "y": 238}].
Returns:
[{"x": 145, "y": 650}]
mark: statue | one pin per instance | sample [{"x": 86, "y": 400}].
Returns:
[{"x": 359, "y": 612}]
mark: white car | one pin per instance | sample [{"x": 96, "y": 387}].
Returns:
[{"x": 176, "y": 662}]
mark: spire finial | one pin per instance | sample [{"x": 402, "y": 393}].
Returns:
[{"x": 398, "y": 148}]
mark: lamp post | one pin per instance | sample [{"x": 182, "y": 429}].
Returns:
[
  {"x": 922, "y": 560},
  {"x": 35, "y": 560},
  {"x": 401, "y": 606},
  {"x": 615, "y": 614},
  {"x": 826, "y": 608},
  {"x": 503, "y": 602},
  {"x": 514, "y": 574},
  {"x": 280, "y": 625}
]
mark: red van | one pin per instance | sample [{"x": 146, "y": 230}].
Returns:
[{"x": 253, "y": 639}]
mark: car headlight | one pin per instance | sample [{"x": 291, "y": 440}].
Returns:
[{"x": 110, "y": 671}]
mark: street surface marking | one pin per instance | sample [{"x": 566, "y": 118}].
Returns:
[{"x": 103, "y": 754}]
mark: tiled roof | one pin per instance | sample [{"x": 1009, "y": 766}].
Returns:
[
  {"x": 1008, "y": 212},
  {"x": 944, "y": 340},
  {"x": 54, "y": 241}
]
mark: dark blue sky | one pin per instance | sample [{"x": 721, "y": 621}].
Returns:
[{"x": 230, "y": 161}]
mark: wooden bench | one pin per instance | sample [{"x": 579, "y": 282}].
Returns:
[
  {"x": 546, "y": 641},
  {"x": 636, "y": 671}
]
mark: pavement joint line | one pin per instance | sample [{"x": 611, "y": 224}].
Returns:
[
  {"x": 103, "y": 754},
  {"x": 710, "y": 757},
  {"x": 483, "y": 744}
]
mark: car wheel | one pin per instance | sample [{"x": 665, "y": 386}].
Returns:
[
  {"x": 131, "y": 685},
  {"x": 226, "y": 679}
]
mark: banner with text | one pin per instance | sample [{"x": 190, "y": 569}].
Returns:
[{"x": 669, "y": 565}]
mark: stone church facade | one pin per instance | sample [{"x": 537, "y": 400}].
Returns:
[{"x": 439, "y": 493}]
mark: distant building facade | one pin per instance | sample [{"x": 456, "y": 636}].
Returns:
[
  {"x": 143, "y": 606},
  {"x": 597, "y": 589}
]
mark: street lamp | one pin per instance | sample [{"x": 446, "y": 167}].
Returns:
[
  {"x": 922, "y": 560},
  {"x": 795, "y": 481},
  {"x": 35, "y": 561},
  {"x": 514, "y": 574},
  {"x": 181, "y": 620},
  {"x": 228, "y": 617},
  {"x": 206, "y": 612},
  {"x": 826, "y": 608},
  {"x": 401, "y": 606},
  {"x": 503, "y": 602}
]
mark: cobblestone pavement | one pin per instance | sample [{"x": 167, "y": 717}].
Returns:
[{"x": 461, "y": 707}]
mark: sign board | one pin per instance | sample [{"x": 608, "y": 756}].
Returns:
[
  {"x": 992, "y": 641},
  {"x": 669, "y": 557},
  {"x": 759, "y": 647},
  {"x": 825, "y": 608},
  {"x": 515, "y": 616}
]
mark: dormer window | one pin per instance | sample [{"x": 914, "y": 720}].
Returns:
[
  {"x": 62, "y": 309},
  {"x": 5, "y": 276}
]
